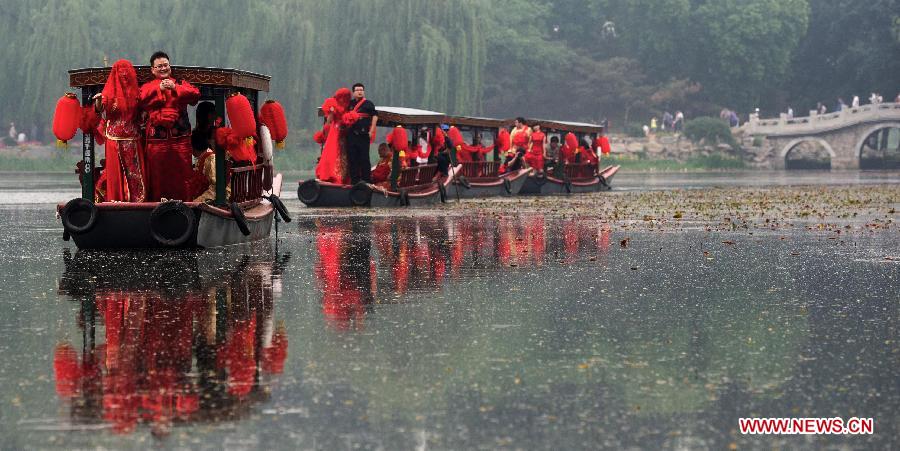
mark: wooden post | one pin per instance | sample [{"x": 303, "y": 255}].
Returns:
[
  {"x": 87, "y": 152},
  {"x": 221, "y": 182}
]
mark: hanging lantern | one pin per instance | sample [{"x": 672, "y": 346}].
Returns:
[
  {"x": 397, "y": 139},
  {"x": 66, "y": 118},
  {"x": 503, "y": 140},
  {"x": 437, "y": 139},
  {"x": 456, "y": 137},
  {"x": 243, "y": 124},
  {"x": 571, "y": 141},
  {"x": 272, "y": 115}
]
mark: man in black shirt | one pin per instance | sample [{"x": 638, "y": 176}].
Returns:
[{"x": 359, "y": 135}]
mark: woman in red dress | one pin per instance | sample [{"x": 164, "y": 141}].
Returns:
[
  {"x": 331, "y": 167},
  {"x": 124, "y": 151},
  {"x": 535, "y": 155}
]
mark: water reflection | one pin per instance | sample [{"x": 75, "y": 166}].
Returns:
[
  {"x": 367, "y": 260},
  {"x": 169, "y": 338}
]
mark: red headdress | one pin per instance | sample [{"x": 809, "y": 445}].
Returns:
[
  {"x": 456, "y": 137},
  {"x": 397, "y": 139},
  {"x": 437, "y": 139},
  {"x": 503, "y": 140},
  {"x": 121, "y": 92}
]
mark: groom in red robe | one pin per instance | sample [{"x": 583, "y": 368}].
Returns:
[{"x": 168, "y": 152}]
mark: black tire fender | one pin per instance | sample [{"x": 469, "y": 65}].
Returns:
[
  {"x": 568, "y": 186},
  {"x": 360, "y": 194},
  {"x": 279, "y": 207},
  {"x": 308, "y": 192},
  {"x": 79, "y": 215},
  {"x": 239, "y": 218},
  {"x": 172, "y": 223},
  {"x": 404, "y": 197},
  {"x": 507, "y": 185},
  {"x": 603, "y": 182}
]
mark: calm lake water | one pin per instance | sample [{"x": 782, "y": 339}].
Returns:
[{"x": 449, "y": 329}]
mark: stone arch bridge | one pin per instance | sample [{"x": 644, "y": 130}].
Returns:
[{"x": 842, "y": 134}]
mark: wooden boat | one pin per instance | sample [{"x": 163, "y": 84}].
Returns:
[
  {"x": 246, "y": 215},
  {"x": 577, "y": 178},
  {"x": 412, "y": 186},
  {"x": 570, "y": 178},
  {"x": 479, "y": 179}
]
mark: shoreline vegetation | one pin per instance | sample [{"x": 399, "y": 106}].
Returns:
[{"x": 51, "y": 159}]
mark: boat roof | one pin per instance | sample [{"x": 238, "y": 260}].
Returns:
[
  {"x": 566, "y": 126},
  {"x": 196, "y": 75},
  {"x": 395, "y": 115},
  {"x": 482, "y": 122}
]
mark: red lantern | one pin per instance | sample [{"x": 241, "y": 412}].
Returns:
[
  {"x": 503, "y": 140},
  {"x": 272, "y": 115},
  {"x": 243, "y": 124},
  {"x": 66, "y": 118},
  {"x": 397, "y": 139},
  {"x": 571, "y": 141},
  {"x": 437, "y": 139},
  {"x": 456, "y": 137}
]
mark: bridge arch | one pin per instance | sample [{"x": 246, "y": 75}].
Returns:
[
  {"x": 857, "y": 150},
  {"x": 811, "y": 139},
  {"x": 793, "y": 143}
]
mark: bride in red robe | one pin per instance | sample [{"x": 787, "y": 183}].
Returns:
[
  {"x": 124, "y": 151},
  {"x": 331, "y": 167}
]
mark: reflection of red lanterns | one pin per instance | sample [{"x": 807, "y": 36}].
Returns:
[
  {"x": 66, "y": 118},
  {"x": 274, "y": 356},
  {"x": 241, "y": 116},
  {"x": 503, "y": 140},
  {"x": 272, "y": 115},
  {"x": 65, "y": 367},
  {"x": 456, "y": 137}
]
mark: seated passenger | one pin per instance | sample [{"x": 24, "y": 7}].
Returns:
[
  {"x": 201, "y": 183},
  {"x": 443, "y": 163},
  {"x": 552, "y": 153},
  {"x": 513, "y": 161},
  {"x": 381, "y": 174}
]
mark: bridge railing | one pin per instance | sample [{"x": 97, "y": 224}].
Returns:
[{"x": 822, "y": 122}]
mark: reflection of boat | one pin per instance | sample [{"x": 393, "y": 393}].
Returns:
[
  {"x": 170, "y": 343},
  {"x": 368, "y": 259},
  {"x": 244, "y": 216}
]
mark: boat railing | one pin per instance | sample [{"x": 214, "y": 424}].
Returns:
[
  {"x": 474, "y": 169},
  {"x": 416, "y": 175},
  {"x": 580, "y": 170},
  {"x": 249, "y": 182}
]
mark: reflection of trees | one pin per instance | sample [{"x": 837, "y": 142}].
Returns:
[{"x": 169, "y": 338}]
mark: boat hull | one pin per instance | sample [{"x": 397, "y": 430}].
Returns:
[
  {"x": 125, "y": 225},
  {"x": 548, "y": 185},
  {"x": 317, "y": 194},
  {"x": 490, "y": 186}
]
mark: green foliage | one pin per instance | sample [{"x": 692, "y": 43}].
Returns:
[
  {"x": 562, "y": 59},
  {"x": 710, "y": 130}
]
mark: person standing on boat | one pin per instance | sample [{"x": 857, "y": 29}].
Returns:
[
  {"x": 166, "y": 99},
  {"x": 537, "y": 152},
  {"x": 360, "y": 134},
  {"x": 520, "y": 136},
  {"x": 118, "y": 105}
]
